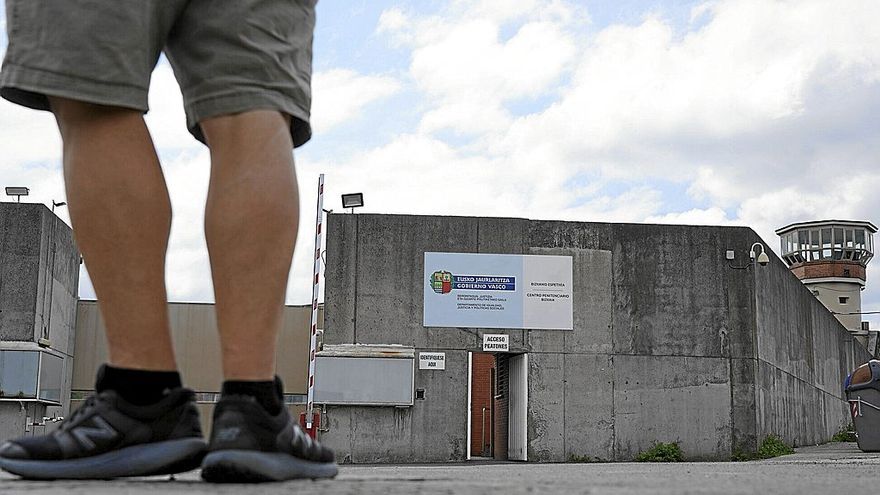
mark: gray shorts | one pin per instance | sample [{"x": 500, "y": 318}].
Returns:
[{"x": 229, "y": 56}]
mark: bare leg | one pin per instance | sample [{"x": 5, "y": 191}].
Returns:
[
  {"x": 251, "y": 222},
  {"x": 121, "y": 217}
]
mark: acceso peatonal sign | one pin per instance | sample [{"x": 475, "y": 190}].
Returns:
[{"x": 498, "y": 291}]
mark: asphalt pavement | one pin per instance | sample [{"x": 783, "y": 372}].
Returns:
[{"x": 836, "y": 468}]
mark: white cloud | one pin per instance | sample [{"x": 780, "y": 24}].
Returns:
[
  {"x": 27, "y": 137},
  {"x": 469, "y": 70},
  {"x": 749, "y": 105},
  {"x": 393, "y": 19},
  {"x": 696, "y": 216},
  {"x": 642, "y": 90},
  {"x": 341, "y": 95}
]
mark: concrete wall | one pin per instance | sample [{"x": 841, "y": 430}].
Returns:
[
  {"x": 670, "y": 342},
  {"x": 39, "y": 281},
  {"x": 803, "y": 356},
  {"x": 21, "y": 247}
]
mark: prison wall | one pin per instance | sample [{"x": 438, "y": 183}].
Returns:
[
  {"x": 671, "y": 341},
  {"x": 803, "y": 356}
]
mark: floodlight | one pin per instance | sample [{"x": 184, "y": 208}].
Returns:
[
  {"x": 18, "y": 192},
  {"x": 353, "y": 200}
]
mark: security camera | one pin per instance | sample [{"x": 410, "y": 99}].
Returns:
[{"x": 762, "y": 258}]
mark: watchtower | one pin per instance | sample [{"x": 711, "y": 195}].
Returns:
[{"x": 830, "y": 257}]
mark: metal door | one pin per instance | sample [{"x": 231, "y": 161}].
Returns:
[{"x": 519, "y": 399}]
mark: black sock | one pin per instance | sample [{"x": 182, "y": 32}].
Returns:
[
  {"x": 268, "y": 393},
  {"x": 138, "y": 387}
]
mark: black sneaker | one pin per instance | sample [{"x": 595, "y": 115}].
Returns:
[
  {"x": 249, "y": 445},
  {"x": 109, "y": 438}
]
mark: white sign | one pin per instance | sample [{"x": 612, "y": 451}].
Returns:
[
  {"x": 432, "y": 360},
  {"x": 498, "y": 291},
  {"x": 495, "y": 343}
]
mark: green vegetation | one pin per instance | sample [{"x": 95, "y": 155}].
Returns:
[
  {"x": 846, "y": 434},
  {"x": 583, "y": 458},
  {"x": 740, "y": 456},
  {"x": 772, "y": 446},
  {"x": 661, "y": 452}
]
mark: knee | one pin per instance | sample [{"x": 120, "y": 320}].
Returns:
[
  {"x": 253, "y": 127},
  {"x": 71, "y": 114}
]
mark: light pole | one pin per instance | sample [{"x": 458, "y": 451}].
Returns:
[{"x": 18, "y": 192}]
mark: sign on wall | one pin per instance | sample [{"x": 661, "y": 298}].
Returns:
[
  {"x": 498, "y": 291},
  {"x": 432, "y": 360},
  {"x": 496, "y": 343}
]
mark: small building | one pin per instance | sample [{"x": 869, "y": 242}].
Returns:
[
  {"x": 39, "y": 279},
  {"x": 453, "y": 338},
  {"x": 197, "y": 348}
]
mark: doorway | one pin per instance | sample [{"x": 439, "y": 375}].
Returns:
[{"x": 497, "y": 406}]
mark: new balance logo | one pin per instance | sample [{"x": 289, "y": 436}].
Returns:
[
  {"x": 87, "y": 435},
  {"x": 228, "y": 434},
  {"x": 301, "y": 441}
]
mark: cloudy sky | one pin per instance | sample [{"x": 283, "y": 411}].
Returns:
[{"x": 728, "y": 112}]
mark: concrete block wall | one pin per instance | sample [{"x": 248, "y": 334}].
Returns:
[
  {"x": 665, "y": 345},
  {"x": 39, "y": 282},
  {"x": 20, "y": 257}
]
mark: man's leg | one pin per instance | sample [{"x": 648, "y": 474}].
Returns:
[
  {"x": 141, "y": 421},
  {"x": 121, "y": 216},
  {"x": 251, "y": 222}
]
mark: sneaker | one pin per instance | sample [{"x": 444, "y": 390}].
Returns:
[
  {"x": 108, "y": 437},
  {"x": 249, "y": 445}
]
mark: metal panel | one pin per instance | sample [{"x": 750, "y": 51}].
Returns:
[
  {"x": 364, "y": 381},
  {"x": 519, "y": 397},
  {"x": 197, "y": 346}
]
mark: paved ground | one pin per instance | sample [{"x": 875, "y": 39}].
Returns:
[{"x": 838, "y": 469}]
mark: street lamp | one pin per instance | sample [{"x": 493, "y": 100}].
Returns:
[
  {"x": 353, "y": 200},
  {"x": 18, "y": 192}
]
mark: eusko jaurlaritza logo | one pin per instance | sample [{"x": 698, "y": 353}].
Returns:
[{"x": 443, "y": 282}]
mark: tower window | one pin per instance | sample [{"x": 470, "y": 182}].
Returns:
[{"x": 843, "y": 300}]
